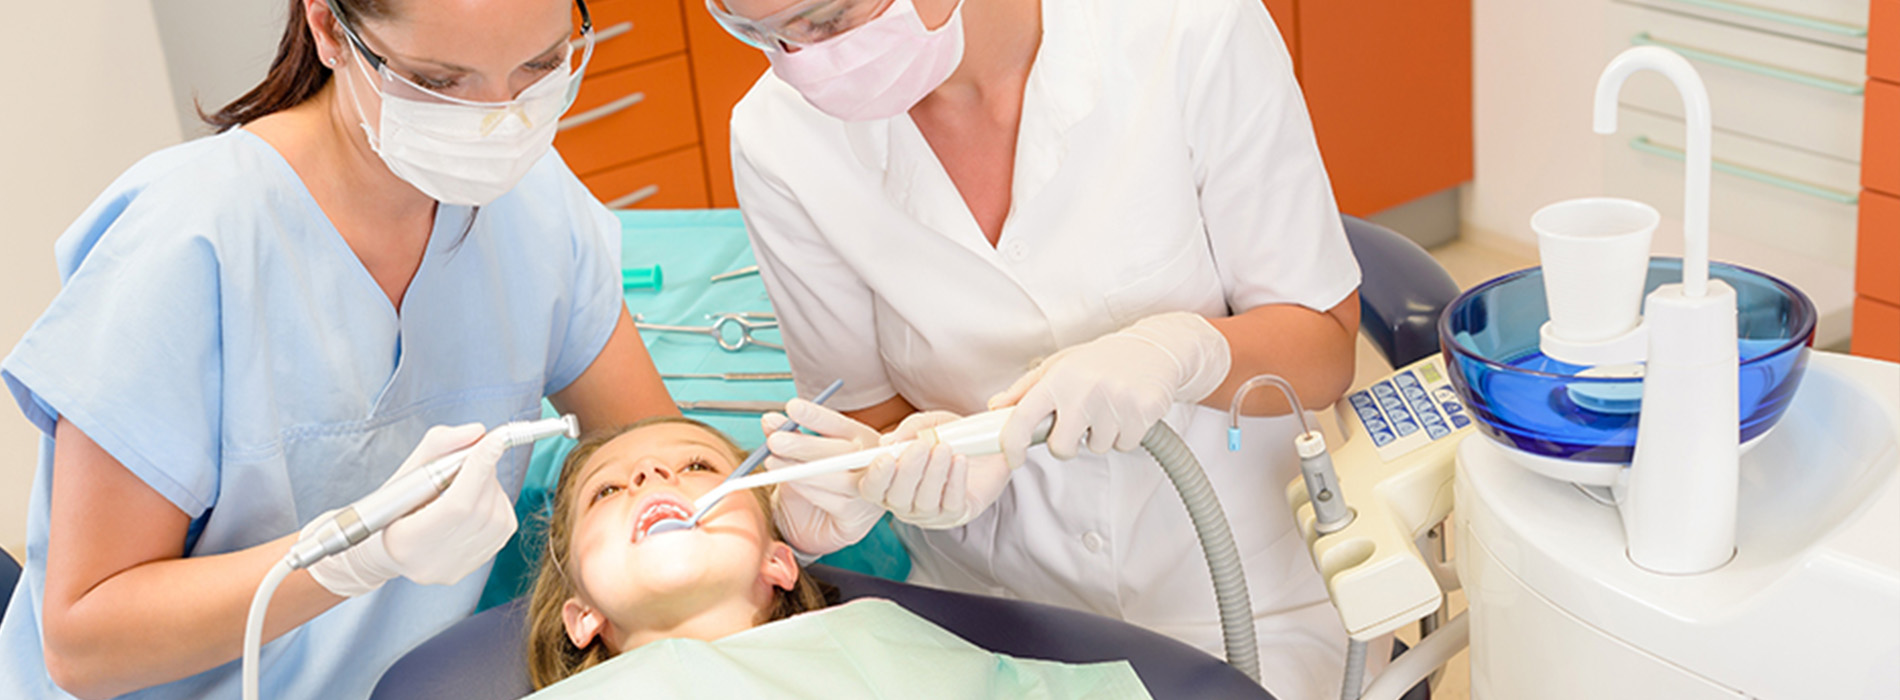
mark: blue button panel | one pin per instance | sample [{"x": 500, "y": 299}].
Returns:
[{"x": 1402, "y": 405}]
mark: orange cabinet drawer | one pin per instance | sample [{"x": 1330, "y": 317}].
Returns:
[
  {"x": 629, "y": 114},
  {"x": 630, "y": 31},
  {"x": 1880, "y": 138},
  {"x": 1883, "y": 40},
  {"x": 675, "y": 180},
  {"x": 1876, "y": 329},
  {"x": 1877, "y": 260}
]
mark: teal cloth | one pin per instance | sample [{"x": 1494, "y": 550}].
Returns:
[
  {"x": 867, "y": 648},
  {"x": 690, "y": 246}
]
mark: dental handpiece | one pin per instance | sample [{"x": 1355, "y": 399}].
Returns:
[
  {"x": 357, "y": 521},
  {"x": 972, "y": 436}
]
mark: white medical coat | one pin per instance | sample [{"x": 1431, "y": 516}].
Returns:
[{"x": 1165, "y": 162}]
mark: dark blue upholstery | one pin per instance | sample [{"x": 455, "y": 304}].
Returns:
[
  {"x": 484, "y": 657},
  {"x": 1402, "y": 292},
  {"x": 9, "y": 577}
]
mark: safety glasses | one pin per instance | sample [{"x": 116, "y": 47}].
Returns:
[
  {"x": 803, "y": 24},
  {"x": 397, "y": 85}
]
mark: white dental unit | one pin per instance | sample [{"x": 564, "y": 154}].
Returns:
[{"x": 1741, "y": 541}]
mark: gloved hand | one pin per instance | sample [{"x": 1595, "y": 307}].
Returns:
[
  {"x": 1114, "y": 388},
  {"x": 929, "y": 485},
  {"x": 443, "y": 541},
  {"x": 822, "y": 514}
]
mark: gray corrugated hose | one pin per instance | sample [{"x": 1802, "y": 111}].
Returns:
[{"x": 1217, "y": 543}]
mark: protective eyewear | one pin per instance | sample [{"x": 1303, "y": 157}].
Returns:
[
  {"x": 397, "y": 85},
  {"x": 803, "y": 24}
]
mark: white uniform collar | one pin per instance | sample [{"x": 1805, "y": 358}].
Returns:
[{"x": 1062, "y": 89}]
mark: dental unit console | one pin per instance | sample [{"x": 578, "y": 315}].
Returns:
[{"x": 1661, "y": 490}]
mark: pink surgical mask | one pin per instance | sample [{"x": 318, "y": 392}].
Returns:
[{"x": 877, "y": 70}]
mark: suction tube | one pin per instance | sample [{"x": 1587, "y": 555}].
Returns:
[{"x": 1217, "y": 543}]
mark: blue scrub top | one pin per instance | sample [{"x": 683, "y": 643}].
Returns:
[{"x": 216, "y": 335}]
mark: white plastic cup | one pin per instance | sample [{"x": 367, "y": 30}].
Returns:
[{"x": 1595, "y": 254}]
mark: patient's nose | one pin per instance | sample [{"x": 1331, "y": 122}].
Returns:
[{"x": 653, "y": 469}]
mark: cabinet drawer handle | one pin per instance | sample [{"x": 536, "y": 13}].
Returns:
[
  {"x": 1644, "y": 39},
  {"x": 1788, "y": 18},
  {"x": 605, "y": 33},
  {"x": 602, "y": 112},
  {"x": 634, "y": 197},
  {"x": 1643, "y": 144}
]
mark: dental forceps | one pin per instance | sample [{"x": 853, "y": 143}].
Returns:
[{"x": 745, "y": 323}]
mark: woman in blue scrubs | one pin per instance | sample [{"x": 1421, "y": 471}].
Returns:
[{"x": 257, "y": 327}]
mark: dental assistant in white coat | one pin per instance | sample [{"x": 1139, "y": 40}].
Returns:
[
  {"x": 260, "y": 326},
  {"x": 1112, "y": 211}
]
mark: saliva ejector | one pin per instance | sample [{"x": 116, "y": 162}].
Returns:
[{"x": 354, "y": 523}]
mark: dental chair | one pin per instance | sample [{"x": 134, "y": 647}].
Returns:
[
  {"x": 1402, "y": 292},
  {"x": 9, "y": 577},
  {"x": 483, "y": 657}
]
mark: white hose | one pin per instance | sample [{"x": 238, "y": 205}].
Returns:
[
  {"x": 1217, "y": 543},
  {"x": 254, "y": 624},
  {"x": 1420, "y": 661}
]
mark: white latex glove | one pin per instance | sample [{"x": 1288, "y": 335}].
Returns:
[
  {"x": 443, "y": 541},
  {"x": 929, "y": 485},
  {"x": 822, "y": 514},
  {"x": 1114, "y": 388}
]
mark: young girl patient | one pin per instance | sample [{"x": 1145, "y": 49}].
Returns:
[{"x": 686, "y": 613}]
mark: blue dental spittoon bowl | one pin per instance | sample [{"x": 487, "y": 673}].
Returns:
[{"x": 1527, "y": 401}]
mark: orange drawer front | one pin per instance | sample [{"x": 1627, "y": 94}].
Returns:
[
  {"x": 1877, "y": 260},
  {"x": 1876, "y": 329},
  {"x": 1880, "y": 138},
  {"x": 675, "y": 180},
  {"x": 1883, "y": 40},
  {"x": 630, "y": 31},
  {"x": 629, "y": 114}
]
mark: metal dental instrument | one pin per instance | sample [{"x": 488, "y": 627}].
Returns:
[
  {"x": 741, "y": 272},
  {"x": 973, "y": 436},
  {"x": 725, "y": 406},
  {"x": 751, "y": 462},
  {"x": 717, "y": 330},
  {"x": 732, "y": 376},
  {"x": 357, "y": 521}
]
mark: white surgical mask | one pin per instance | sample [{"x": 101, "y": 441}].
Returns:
[
  {"x": 469, "y": 154},
  {"x": 877, "y": 70}
]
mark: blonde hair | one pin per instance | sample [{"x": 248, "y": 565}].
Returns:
[{"x": 552, "y": 656}]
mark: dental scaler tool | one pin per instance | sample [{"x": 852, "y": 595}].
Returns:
[
  {"x": 751, "y": 462},
  {"x": 974, "y": 436},
  {"x": 359, "y": 520}
]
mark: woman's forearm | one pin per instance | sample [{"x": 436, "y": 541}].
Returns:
[
  {"x": 168, "y": 619},
  {"x": 122, "y": 607},
  {"x": 1313, "y": 350}
]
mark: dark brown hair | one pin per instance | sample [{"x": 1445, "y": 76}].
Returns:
[
  {"x": 551, "y": 655},
  {"x": 297, "y": 73}
]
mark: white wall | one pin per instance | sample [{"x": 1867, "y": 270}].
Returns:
[
  {"x": 1534, "y": 72},
  {"x": 215, "y": 50},
  {"x": 87, "y": 96}
]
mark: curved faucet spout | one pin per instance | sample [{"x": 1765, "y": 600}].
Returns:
[{"x": 1695, "y": 103}]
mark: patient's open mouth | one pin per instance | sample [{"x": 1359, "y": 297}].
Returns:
[{"x": 658, "y": 508}]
